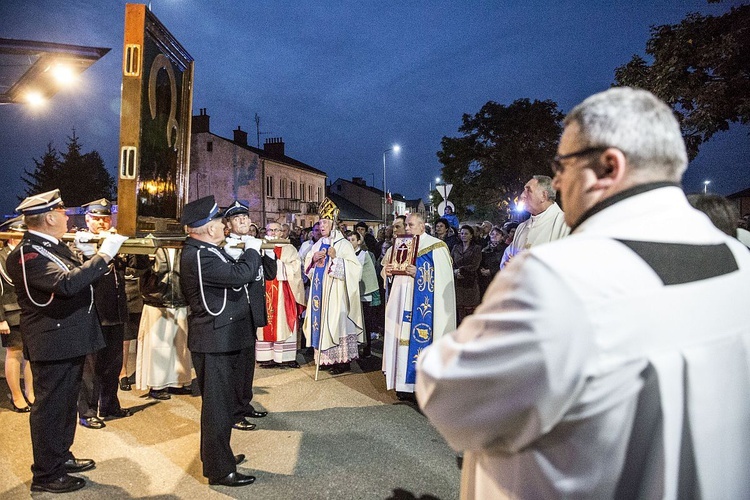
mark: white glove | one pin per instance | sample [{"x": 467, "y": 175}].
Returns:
[
  {"x": 231, "y": 247},
  {"x": 251, "y": 242},
  {"x": 270, "y": 254},
  {"x": 111, "y": 245},
  {"x": 83, "y": 242}
]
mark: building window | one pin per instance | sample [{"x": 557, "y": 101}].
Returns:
[
  {"x": 210, "y": 146},
  {"x": 283, "y": 188},
  {"x": 318, "y": 199},
  {"x": 302, "y": 191},
  {"x": 293, "y": 193},
  {"x": 269, "y": 186},
  {"x": 309, "y": 192}
]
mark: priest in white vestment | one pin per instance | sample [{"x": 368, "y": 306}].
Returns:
[
  {"x": 547, "y": 221},
  {"x": 615, "y": 362},
  {"x": 334, "y": 322},
  {"x": 421, "y": 307},
  {"x": 163, "y": 360}
]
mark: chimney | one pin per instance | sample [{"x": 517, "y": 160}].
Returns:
[
  {"x": 201, "y": 122},
  {"x": 274, "y": 146},
  {"x": 240, "y": 136},
  {"x": 359, "y": 181}
]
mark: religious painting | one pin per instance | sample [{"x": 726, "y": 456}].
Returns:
[
  {"x": 155, "y": 118},
  {"x": 403, "y": 253}
]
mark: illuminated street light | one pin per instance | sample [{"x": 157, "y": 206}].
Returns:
[
  {"x": 63, "y": 74},
  {"x": 41, "y": 69},
  {"x": 396, "y": 149},
  {"x": 35, "y": 99},
  {"x": 705, "y": 186}
]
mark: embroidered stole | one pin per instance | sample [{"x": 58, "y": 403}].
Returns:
[
  {"x": 421, "y": 316},
  {"x": 317, "y": 298}
]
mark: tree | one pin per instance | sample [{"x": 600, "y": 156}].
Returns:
[
  {"x": 45, "y": 175},
  {"x": 81, "y": 178},
  {"x": 501, "y": 148},
  {"x": 700, "y": 67}
]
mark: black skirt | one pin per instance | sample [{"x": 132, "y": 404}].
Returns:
[{"x": 13, "y": 339}]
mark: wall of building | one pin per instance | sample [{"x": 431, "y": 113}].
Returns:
[
  {"x": 285, "y": 201},
  {"x": 227, "y": 171},
  {"x": 359, "y": 195}
]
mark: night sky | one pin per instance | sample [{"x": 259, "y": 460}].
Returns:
[{"x": 341, "y": 81}]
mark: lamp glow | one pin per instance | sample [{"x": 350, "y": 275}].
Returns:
[
  {"x": 63, "y": 74},
  {"x": 34, "y": 98}
]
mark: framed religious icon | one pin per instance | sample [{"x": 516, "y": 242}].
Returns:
[
  {"x": 155, "y": 119},
  {"x": 403, "y": 253}
]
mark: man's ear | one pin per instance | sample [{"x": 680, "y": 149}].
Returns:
[{"x": 611, "y": 168}]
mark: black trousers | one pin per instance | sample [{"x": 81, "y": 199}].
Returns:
[
  {"x": 101, "y": 374},
  {"x": 244, "y": 386},
  {"x": 53, "y": 416},
  {"x": 216, "y": 374}
]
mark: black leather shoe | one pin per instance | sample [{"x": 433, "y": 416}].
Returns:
[
  {"x": 256, "y": 414},
  {"x": 341, "y": 368},
  {"x": 62, "y": 484},
  {"x": 92, "y": 422},
  {"x": 233, "y": 479},
  {"x": 25, "y": 409},
  {"x": 79, "y": 464},
  {"x": 243, "y": 425},
  {"x": 268, "y": 364},
  {"x": 290, "y": 364},
  {"x": 180, "y": 391},
  {"x": 121, "y": 413},
  {"x": 238, "y": 459},
  {"x": 161, "y": 395},
  {"x": 124, "y": 384}
]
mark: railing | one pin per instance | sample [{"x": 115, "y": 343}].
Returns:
[{"x": 289, "y": 205}]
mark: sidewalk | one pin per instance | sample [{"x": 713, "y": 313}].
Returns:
[{"x": 342, "y": 437}]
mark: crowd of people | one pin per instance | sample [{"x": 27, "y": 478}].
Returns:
[{"x": 568, "y": 355}]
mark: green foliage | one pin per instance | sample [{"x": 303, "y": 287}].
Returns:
[
  {"x": 81, "y": 178},
  {"x": 500, "y": 149},
  {"x": 701, "y": 67}
]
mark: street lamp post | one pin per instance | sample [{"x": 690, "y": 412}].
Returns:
[
  {"x": 705, "y": 186},
  {"x": 396, "y": 148}
]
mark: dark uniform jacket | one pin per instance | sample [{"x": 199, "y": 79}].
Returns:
[
  {"x": 160, "y": 282},
  {"x": 10, "y": 310},
  {"x": 109, "y": 295},
  {"x": 229, "y": 325},
  {"x": 68, "y": 326}
]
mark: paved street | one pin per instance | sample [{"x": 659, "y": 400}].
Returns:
[{"x": 342, "y": 437}]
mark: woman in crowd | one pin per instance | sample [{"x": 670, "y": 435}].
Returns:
[
  {"x": 491, "y": 256},
  {"x": 467, "y": 256},
  {"x": 10, "y": 332}
]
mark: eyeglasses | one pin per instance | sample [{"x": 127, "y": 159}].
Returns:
[{"x": 558, "y": 168}]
